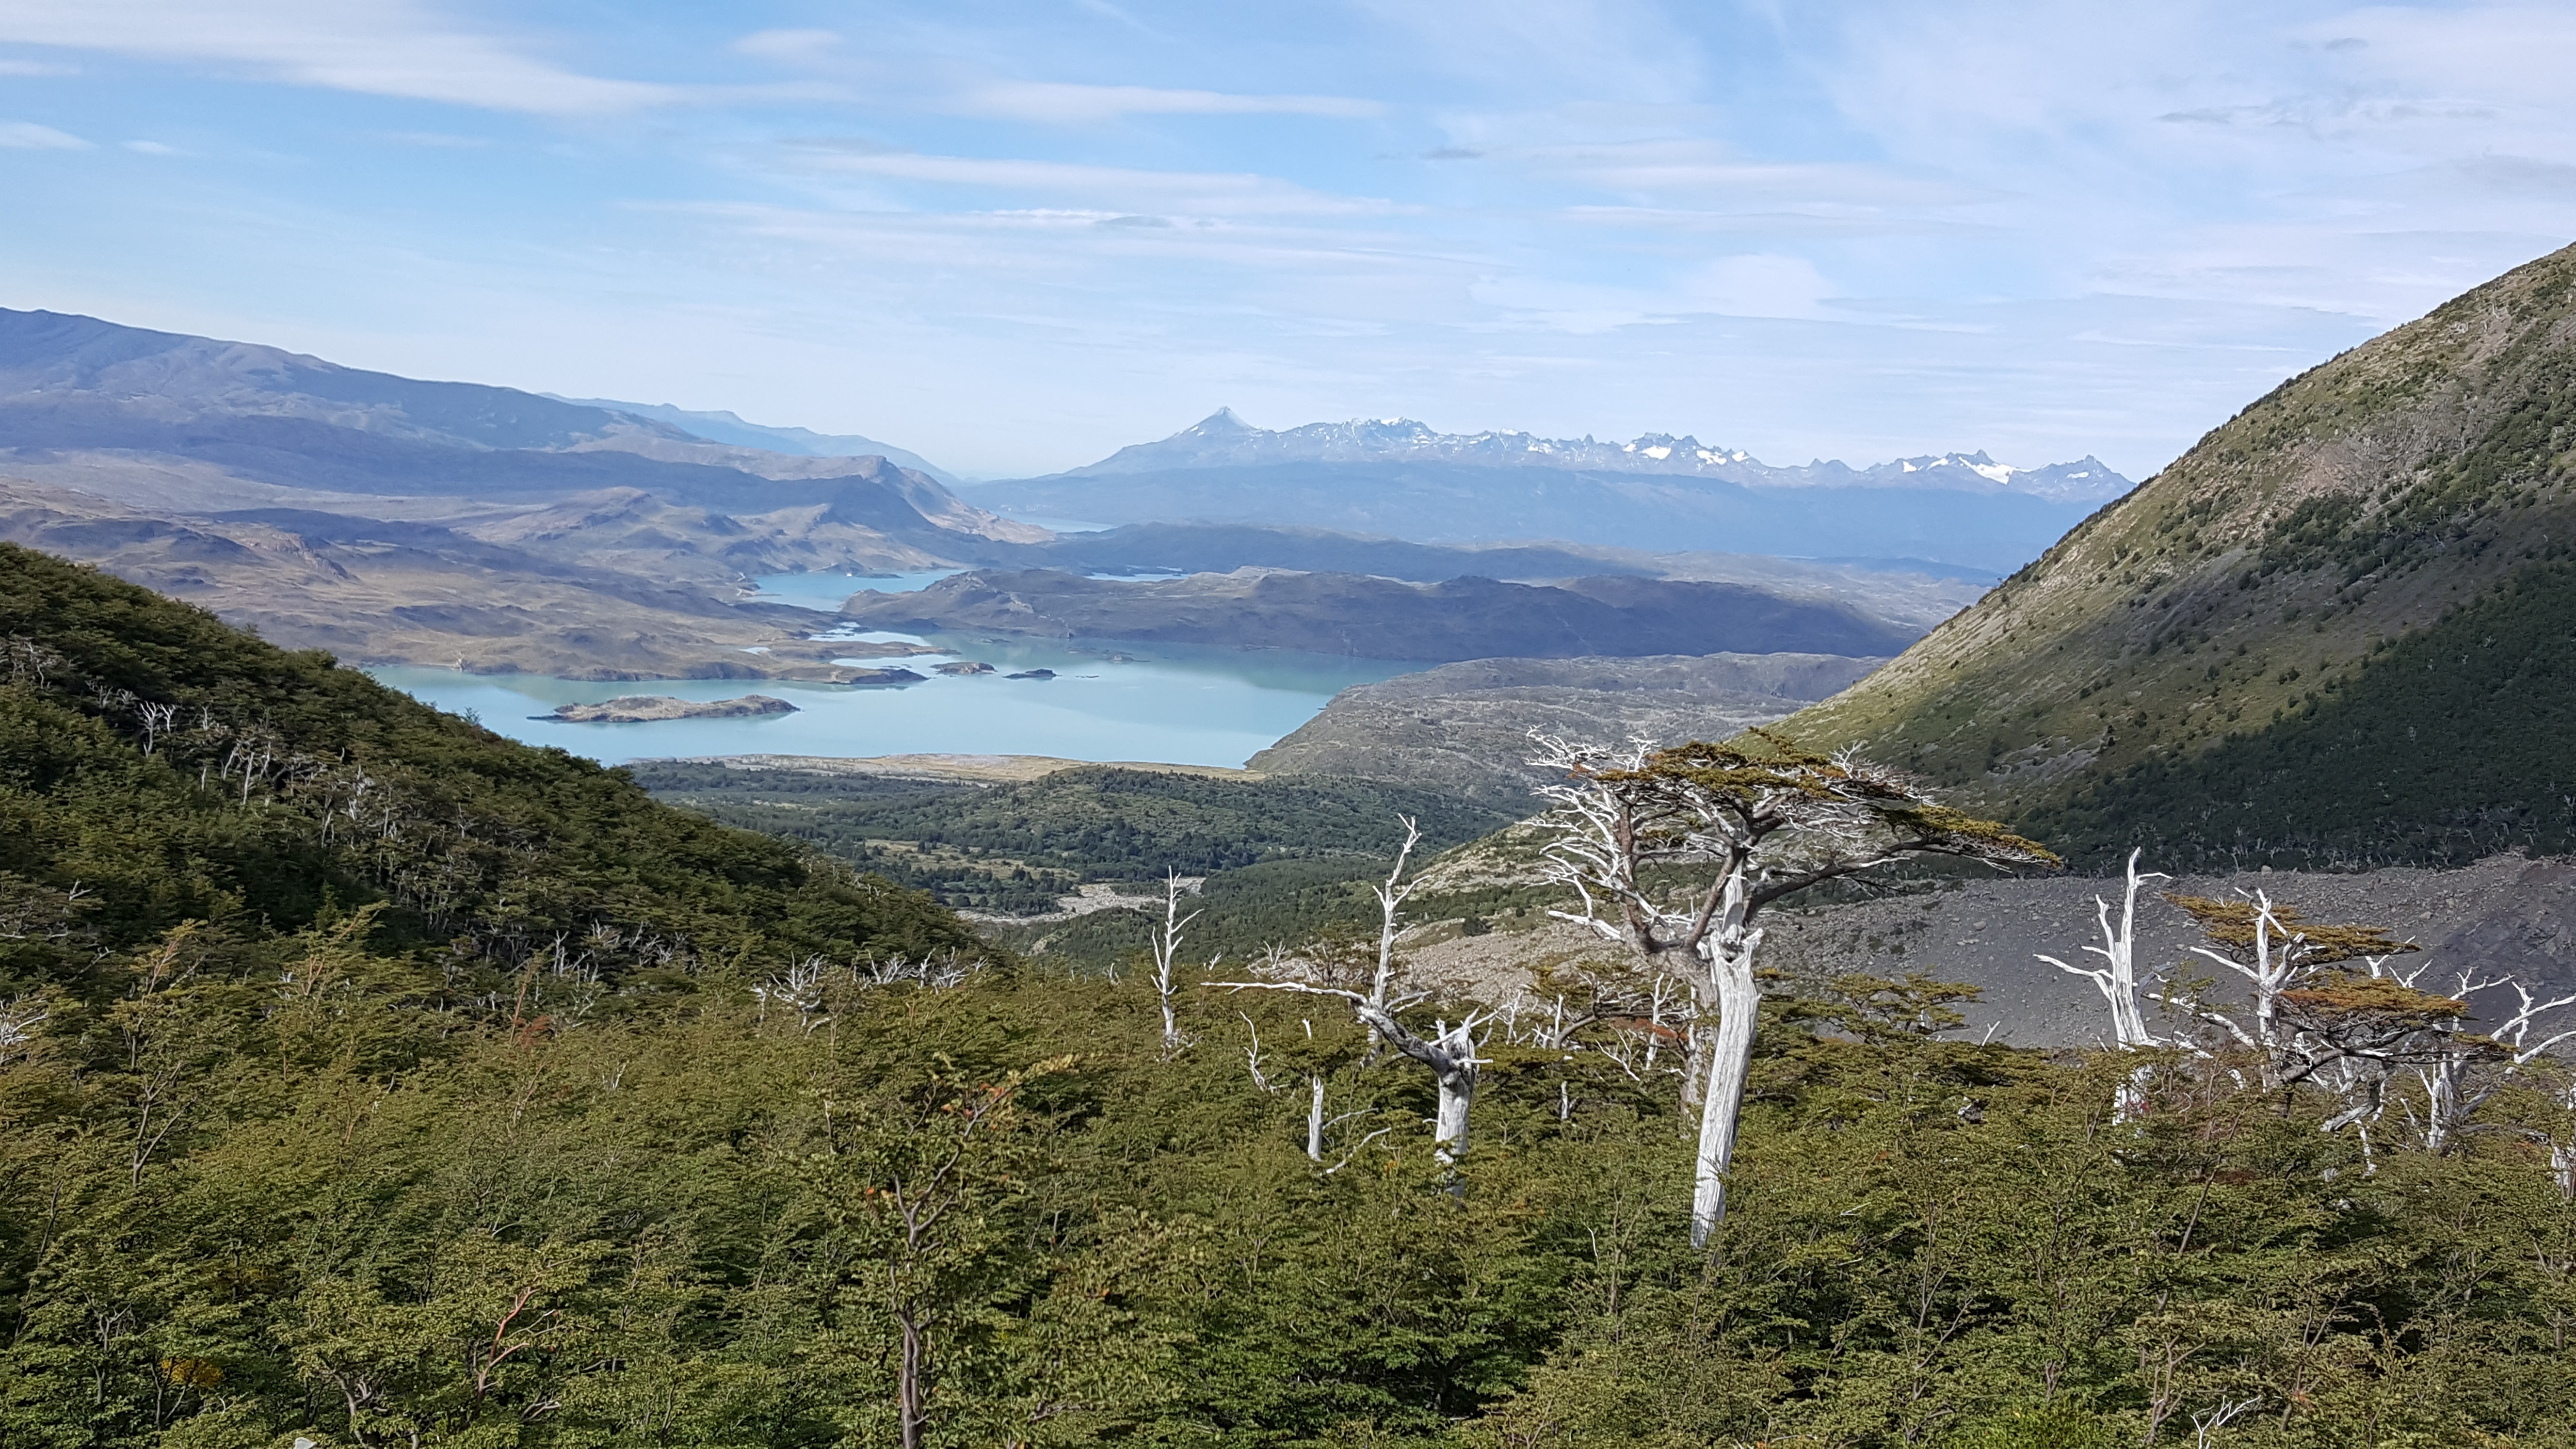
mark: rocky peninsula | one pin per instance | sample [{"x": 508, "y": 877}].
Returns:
[{"x": 644, "y": 708}]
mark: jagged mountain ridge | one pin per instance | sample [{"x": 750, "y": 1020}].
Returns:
[
  {"x": 2333, "y": 632},
  {"x": 1400, "y": 479},
  {"x": 1223, "y": 439}
]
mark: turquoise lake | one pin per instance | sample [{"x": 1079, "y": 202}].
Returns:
[{"x": 1107, "y": 701}]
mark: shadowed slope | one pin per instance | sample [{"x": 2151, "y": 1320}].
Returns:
[{"x": 2186, "y": 650}]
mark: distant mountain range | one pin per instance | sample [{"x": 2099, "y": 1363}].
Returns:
[
  {"x": 438, "y": 522},
  {"x": 395, "y": 520},
  {"x": 725, "y": 427},
  {"x": 1400, "y": 479},
  {"x": 1223, "y": 440}
]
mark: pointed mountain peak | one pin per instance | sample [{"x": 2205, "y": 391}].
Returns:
[{"x": 1223, "y": 420}]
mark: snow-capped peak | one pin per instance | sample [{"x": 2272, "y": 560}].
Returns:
[{"x": 1223, "y": 440}]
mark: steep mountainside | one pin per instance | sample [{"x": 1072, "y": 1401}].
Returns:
[
  {"x": 2335, "y": 631},
  {"x": 1375, "y": 618}
]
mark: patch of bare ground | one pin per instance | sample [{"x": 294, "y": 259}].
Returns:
[{"x": 2508, "y": 914}]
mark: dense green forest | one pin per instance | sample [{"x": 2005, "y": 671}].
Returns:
[
  {"x": 369, "y": 1079},
  {"x": 1015, "y": 848},
  {"x": 2439, "y": 747}
]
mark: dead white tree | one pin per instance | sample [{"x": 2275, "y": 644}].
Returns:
[
  {"x": 19, "y": 1020},
  {"x": 2117, "y": 980},
  {"x": 1167, "y": 951},
  {"x": 2206, "y": 1424},
  {"x": 2275, "y": 951},
  {"x": 1252, "y": 1059},
  {"x": 1756, "y": 820},
  {"x": 1391, "y": 896},
  {"x": 2464, "y": 1071},
  {"x": 1449, "y": 1052}
]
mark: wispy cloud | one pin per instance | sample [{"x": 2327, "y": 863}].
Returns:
[
  {"x": 28, "y": 136},
  {"x": 381, "y": 47},
  {"x": 1121, "y": 187},
  {"x": 1542, "y": 51},
  {"x": 952, "y": 89},
  {"x": 1708, "y": 169},
  {"x": 1063, "y": 104}
]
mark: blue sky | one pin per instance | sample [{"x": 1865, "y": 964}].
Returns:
[{"x": 1014, "y": 236}]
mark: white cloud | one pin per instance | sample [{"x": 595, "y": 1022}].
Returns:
[
  {"x": 382, "y": 47},
  {"x": 1758, "y": 285},
  {"x": 1120, "y": 187},
  {"x": 28, "y": 136},
  {"x": 1057, "y": 103},
  {"x": 1709, "y": 170},
  {"x": 944, "y": 89},
  {"x": 788, "y": 47},
  {"x": 152, "y": 148},
  {"x": 1544, "y": 50},
  {"x": 35, "y": 67}
]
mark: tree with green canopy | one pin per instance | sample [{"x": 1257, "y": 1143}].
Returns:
[{"x": 1752, "y": 822}]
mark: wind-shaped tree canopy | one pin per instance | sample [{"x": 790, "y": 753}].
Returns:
[
  {"x": 1764, "y": 819},
  {"x": 1782, "y": 817},
  {"x": 2254, "y": 924}
]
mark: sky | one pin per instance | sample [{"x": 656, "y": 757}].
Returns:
[{"x": 1014, "y": 237}]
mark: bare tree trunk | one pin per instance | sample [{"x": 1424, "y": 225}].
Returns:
[
  {"x": 1695, "y": 1066},
  {"x": 1730, "y": 1060},
  {"x": 1167, "y": 950},
  {"x": 911, "y": 1375},
  {"x": 1449, "y": 1130},
  {"x": 1315, "y": 1123},
  {"x": 2441, "y": 1103},
  {"x": 2118, "y": 982}
]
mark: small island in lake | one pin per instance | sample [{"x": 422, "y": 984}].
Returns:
[
  {"x": 1032, "y": 674},
  {"x": 965, "y": 666},
  {"x": 641, "y": 708}
]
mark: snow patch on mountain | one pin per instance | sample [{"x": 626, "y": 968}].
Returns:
[{"x": 1224, "y": 440}]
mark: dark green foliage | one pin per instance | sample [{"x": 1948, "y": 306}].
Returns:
[
  {"x": 1285, "y": 858},
  {"x": 1090, "y": 823},
  {"x": 281, "y": 1155},
  {"x": 280, "y": 788},
  {"x": 2446, "y": 745}
]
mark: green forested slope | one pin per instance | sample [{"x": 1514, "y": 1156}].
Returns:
[
  {"x": 1283, "y": 858},
  {"x": 2441, "y": 746},
  {"x": 518, "y": 1110},
  {"x": 157, "y": 766},
  {"x": 2187, "y": 632}
]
